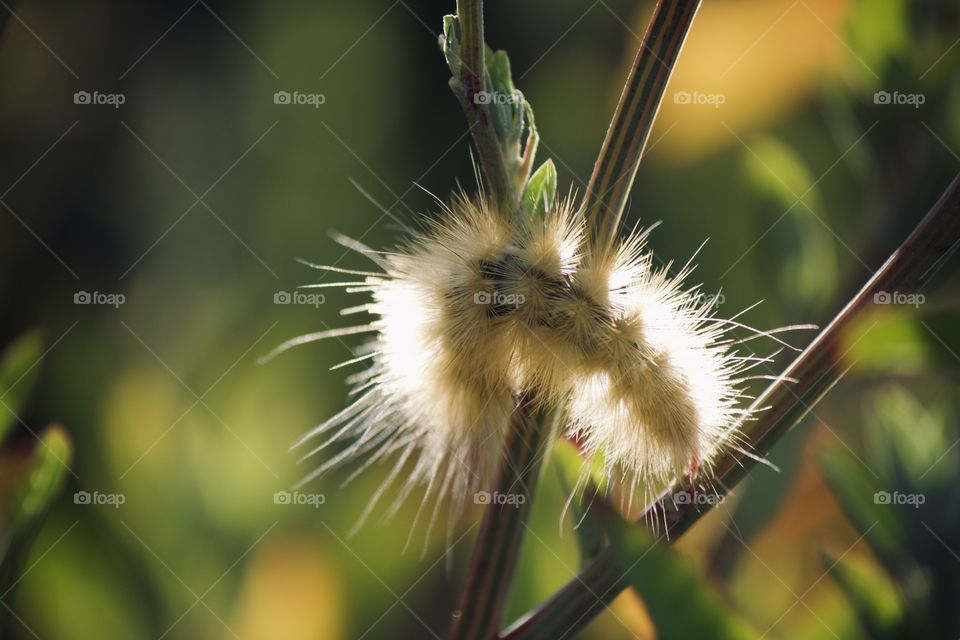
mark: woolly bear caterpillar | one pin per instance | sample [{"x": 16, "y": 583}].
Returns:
[{"x": 478, "y": 307}]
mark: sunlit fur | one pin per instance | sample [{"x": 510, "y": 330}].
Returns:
[
  {"x": 662, "y": 392},
  {"x": 474, "y": 309},
  {"x": 540, "y": 277},
  {"x": 439, "y": 390}
]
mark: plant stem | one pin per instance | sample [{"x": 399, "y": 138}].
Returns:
[
  {"x": 498, "y": 544},
  {"x": 470, "y": 13},
  {"x": 531, "y": 425},
  {"x": 786, "y": 402},
  {"x": 622, "y": 149},
  {"x": 576, "y": 604},
  {"x": 470, "y": 83}
]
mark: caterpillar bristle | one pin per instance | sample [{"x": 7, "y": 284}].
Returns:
[{"x": 477, "y": 306}]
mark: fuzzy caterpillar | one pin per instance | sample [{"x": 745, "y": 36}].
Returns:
[{"x": 474, "y": 309}]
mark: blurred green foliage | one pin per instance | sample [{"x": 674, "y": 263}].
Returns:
[
  {"x": 904, "y": 496},
  {"x": 680, "y": 603},
  {"x": 32, "y": 473},
  {"x": 166, "y": 407}
]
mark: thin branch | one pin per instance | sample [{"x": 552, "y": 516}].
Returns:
[
  {"x": 468, "y": 85},
  {"x": 504, "y": 523},
  {"x": 531, "y": 426},
  {"x": 622, "y": 149},
  {"x": 470, "y": 13},
  {"x": 814, "y": 372}
]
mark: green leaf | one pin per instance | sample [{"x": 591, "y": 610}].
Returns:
[
  {"x": 759, "y": 496},
  {"x": 450, "y": 43},
  {"x": 503, "y": 100},
  {"x": 878, "y": 32},
  {"x": 35, "y": 489},
  {"x": 804, "y": 248},
  {"x": 905, "y": 437},
  {"x": 856, "y": 489},
  {"x": 18, "y": 371},
  {"x": 871, "y": 593},
  {"x": 588, "y": 524},
  {"x": 882, "y": 341},
  {"x": 508, "y": 137},
  {"x": 44, "y": 479},
  {"x": 780, "y": 173},
  {"x": 499, "y": 77},
  {"x": 541, "y": 191},
  {"x": 512, "y": 117},
  {"x": 677, "y": 597}
]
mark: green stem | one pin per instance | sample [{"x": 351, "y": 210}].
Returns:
[
  {"x": 786, "y": 402},
  {"x": 470, "y": 14},
  {"x": 622, "y": 150},
  {"x": 504, "y": 524},
  {"x": 470, "y": 83}
]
